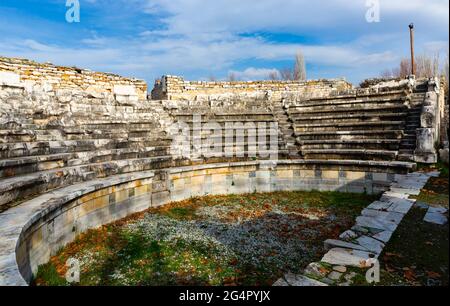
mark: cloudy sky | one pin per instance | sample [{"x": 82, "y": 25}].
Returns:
[{"x": 198, "y": 39}]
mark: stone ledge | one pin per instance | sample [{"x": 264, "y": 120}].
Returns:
[{"x": 16, "y": 221}]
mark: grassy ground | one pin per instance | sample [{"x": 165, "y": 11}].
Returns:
[{"x": 248, "y": 239}]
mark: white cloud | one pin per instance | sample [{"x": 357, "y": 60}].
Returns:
[
  {"x": 252, "y": 73},
  {"x": 202, "y": 37}
]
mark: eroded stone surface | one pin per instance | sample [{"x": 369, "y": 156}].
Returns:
[
  {"x": 333, "y": 243},
  {"x": 435, "y": 218},
  {"x": 347, "y": 257},
  {"x": 371, "y": 244},
  {"x": 301, "y": 281}
]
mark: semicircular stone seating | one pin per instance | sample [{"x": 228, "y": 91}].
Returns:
[{"x": 74, "y": 158}]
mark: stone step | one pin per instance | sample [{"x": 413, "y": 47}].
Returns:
[
  {"x": 356, "y": 154},
  {"x": 350, "y": 126},
  {"x": 21, "y": 149},
  {"x": 255, "y": 120},
  {"x": 353, "y": 109},
  {"x": 350, "y": 115},
  {"x": 354, "y": 134},
  {"x": 23, "y": 186},
  {"x": 30, "y": 164},
  {"x": 404, "y": 156},
  {"x": 373, "y": 144},
  {"x": 350, "y": 107},
  {"x": 362, "y": 98}
]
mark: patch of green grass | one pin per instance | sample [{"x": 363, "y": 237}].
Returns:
[
  {"x": 48, "y": 273},
  {"x": 181, "y": 213}
]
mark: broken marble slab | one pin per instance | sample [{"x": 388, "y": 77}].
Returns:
[
  {"x": 408, "y": 191},
  {"x": 437, "y": 210},
  {"x": 301, "y": 281},
  {"x": 398, "y": 204},
  {"x": 371, "y": 244},
  {"x": 379, "y": 205},
  {"x": 433, "y": 174},
  {"x": 376, "y": 223},
  {"x": 436, "y": 215},
  {"x": 348, "y": 235},
  {"x": 411, "y": 181},
  {"x": 334, "y": 275},
  {"x": 392, "y": 194},
  {"x": 390, "y": 216},
  {"x": 280, "y": 283},
  {"x": 315, "y": 269},
  {"x": 333, "y": 243},
  {"x": 421, "y": 205},
  {"x": 348, "y": 257},
  {"x": 383, "y": 236}
]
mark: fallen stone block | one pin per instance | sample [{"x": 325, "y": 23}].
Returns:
[
  {"x": 280, "y": 283},
  {"x": 376, "y": 223},
  {"x": 383, "y": 236},
  {"x": 392, "y": 194},
  {"x": 348, "y": 235},
  {"x": 316, "y": 269},
  {"x": 379, "y": 205},
  {"x": 348, "y": 257},
  {"x": 371, "y": 244},
  {"x": 398, "y": 205},
  {"x": 409, "y": 191},
  {"x": 333, "y": 243},
  {"x": 437, "y": 210},
  {"x": 335, "y": 275},
  {"x": 390, "y": 216},
  {"x": 435, "y": 218},
  {"x": 301, "y": 281}
]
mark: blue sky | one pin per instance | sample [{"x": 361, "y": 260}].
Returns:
[{"x": 202, "y": 38}]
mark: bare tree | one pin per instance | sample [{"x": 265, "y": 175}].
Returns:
[
  {"x": 273, "y": 76},
  {"x": 287, "y": 74},
  {"x": 299, "y": 68},
  {"x": 405, "y": 68},
  {"x": 426, "y": 66},
  {"x": 212, "y": 78},
  {"x": 232, "y": 77},
  {"x": 387, "y": 73}
]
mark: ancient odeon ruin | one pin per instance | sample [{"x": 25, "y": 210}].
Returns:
[{"x": 80, "y": 149}]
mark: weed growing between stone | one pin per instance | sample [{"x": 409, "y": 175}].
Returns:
[{"x": 250, "y": 239}]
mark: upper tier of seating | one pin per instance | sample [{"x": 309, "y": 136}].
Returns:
[
  {"x": 50, "y": 140},
  {"x": 360, "y": 126}
]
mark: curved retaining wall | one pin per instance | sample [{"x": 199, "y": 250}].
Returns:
[{"x": 35, "y": 230}]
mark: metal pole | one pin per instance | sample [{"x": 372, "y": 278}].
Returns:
[{"x": 411, "y": 34}]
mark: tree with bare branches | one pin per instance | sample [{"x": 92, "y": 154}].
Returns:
[
  {"x": 232, "y": 77},
  {"x": 287, "y": 74},
  {"x": 426, "y": 66},
  {"x": 299, "y": 68},
  {"x": 273, "y": 76}
]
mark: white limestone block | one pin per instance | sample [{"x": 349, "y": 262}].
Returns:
[
  {"x": 302, "y": 281},
  {"x": 435, "y": 218},
  {"x": 371, "y": 244},
  {"x": 347, "y": 257},
  {"x": 125, "y": 90},
  {"x": 9, "y": 78}
]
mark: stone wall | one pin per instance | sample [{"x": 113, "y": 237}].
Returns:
[
  {"x": 14, "y": 71},
  {"x": 176, "y": 88}
]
